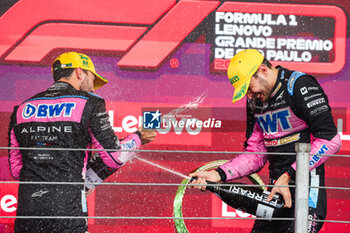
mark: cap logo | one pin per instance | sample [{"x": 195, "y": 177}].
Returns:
[
  {"x": 77, "y": 60},
  {"x": 63, "y": 66},
  {"x": 234, "y": 79},
  {"x": 251, "y": 70},
  {"x": 85, "y": 60},
  {"x": 240, "y": 93},
  {"x": 85, "y": 63},
  {"x": 66, "y": 65},
  {"x": 83, "y": 57}
]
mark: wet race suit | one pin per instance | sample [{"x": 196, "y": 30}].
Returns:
[
  {"x": 297, "y": 111},
  {"x": 60, "y": 117}
]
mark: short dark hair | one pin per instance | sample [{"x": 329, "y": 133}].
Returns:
[
  {"x": 59, "y": 73},
  {"x": 266, "y": 63}
]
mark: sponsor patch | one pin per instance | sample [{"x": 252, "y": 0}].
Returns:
[
  {"x": 270, "y": 121},
  {"x": 39, "y": 193},
  {"x": 48, "y": 110},
  {"x": 276, "y": 90},
  {"x": 315, "y": 102},
  {"x": 282, "y": 141},
  {"x": 274, "y": 105},
  {"x": 280, "y": 96},
  {"x": 316, "y": 157},
  {"x": 312, "y": 96},
  {"x": 303, "y": 90},
  {"x": 318, "y": 110},
  {"x": 312, "y": 88}
]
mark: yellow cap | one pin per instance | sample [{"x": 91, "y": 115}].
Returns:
[
  {"x": 241, "y": 69},
  {"x": 79, "y": 60}
]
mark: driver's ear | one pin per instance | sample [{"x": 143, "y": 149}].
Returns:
[
  {"x": 79, "y": 73},
  {"x": 263, "y": 69}
]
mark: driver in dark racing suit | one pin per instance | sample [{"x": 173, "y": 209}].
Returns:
[
  {"x": 67, "y": 115},
  {"x": 284, "y": 107}
]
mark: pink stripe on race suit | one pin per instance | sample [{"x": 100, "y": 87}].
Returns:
[
  {"x": 15, "y": 157},
  {"x": 245, "y": 164},
  {"x": 83, "y": 172},
  {"x": 46, "y": 110},
  {"x": 131, "y": 142},
  {"x": 322, "y": 147}
]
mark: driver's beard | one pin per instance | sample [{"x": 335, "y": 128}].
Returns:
[
  {"x": 84, "y": 86},
  {"x": 252, "y": 103}
]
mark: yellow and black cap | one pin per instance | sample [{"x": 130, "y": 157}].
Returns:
[
  {"x": 78, "y": 60},
  {"x": 241, "y": 69}
]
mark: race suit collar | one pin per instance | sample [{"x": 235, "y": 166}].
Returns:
[
  {"x": 278, "y": 84},
  {"x": 60, "y": 85}
]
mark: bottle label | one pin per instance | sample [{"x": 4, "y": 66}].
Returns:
[
  {"x": 264, "y": 211},
  {"x": 92, "y": 177},
  {"x": 254, "y": 195}
]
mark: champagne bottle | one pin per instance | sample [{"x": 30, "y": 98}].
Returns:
[{"x": 249, "y": 199}]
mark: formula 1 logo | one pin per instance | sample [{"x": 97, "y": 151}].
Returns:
[
  {"x": 144, "y": 32},
  {"x": 132, "y": 28}
]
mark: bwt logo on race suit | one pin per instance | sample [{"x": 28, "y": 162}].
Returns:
[
  {"x": 269, "y": 121},
  {"x": 48, "y": 110},
  {"x": 317, "y": 156}
]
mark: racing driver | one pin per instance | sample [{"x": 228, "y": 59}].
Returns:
[
  {"x": 67, "y": 115},
  {"x": 284, "y": 107}
]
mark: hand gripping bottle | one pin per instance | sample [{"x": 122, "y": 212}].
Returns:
[
  {"x": 96, "y": 172},
  {"x": 249, "y": 199}
]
